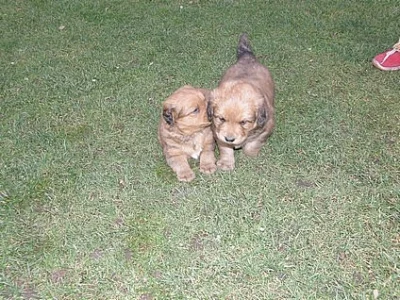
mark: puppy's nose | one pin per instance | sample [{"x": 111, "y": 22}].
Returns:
[{"x": 229, "y": 139}]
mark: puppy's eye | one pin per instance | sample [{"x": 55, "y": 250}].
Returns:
[
  {"x": 221, "y": 119},
  {"x": 244, "y": 122},
  {"x": 196, "y": 111}
]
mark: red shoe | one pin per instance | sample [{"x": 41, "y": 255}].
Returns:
[{"x": 389, "y": 60}]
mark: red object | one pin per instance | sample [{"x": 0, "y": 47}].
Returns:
[{"x": 389, "y": 60}]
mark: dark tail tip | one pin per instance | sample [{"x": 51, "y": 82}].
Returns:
[{"x": 244, "y": 46}]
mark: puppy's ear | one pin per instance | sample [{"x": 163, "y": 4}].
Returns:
[
  {"x": 168, "y": 115},
  {"x": 209, "y": 111},
  {"x": 261, "y": 116},
  {"x": 206, "y": 93},
  {"x": 210, "y": 101},
  {"x": 207, "y": 96}
]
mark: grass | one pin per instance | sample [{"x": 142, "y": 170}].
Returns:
[{"x": 88, "y": 207}]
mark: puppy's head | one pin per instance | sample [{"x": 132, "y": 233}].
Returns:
[
  {"x": 186, "y": 110},
  {"x": 236, "y": 109}
]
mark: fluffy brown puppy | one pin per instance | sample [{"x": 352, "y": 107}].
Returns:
[
  {"x": 242, "y": 107},
  {"x": 185, "y": 131}
]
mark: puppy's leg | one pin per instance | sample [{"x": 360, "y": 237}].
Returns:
[
  {"x": 181, "y": 167},
  {"x": 252, "y": 148},
  {"x": 226, "y": 160},
  {"x": 207, "y": 156},
  {"x": 207, "y": 162}
]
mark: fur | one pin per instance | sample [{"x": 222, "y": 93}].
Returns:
[
  {"x": 242, "y": 107},
  {"x": 185, "y": 132}
]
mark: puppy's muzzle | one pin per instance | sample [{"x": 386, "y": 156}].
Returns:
[{"x": 229, "y": 139}]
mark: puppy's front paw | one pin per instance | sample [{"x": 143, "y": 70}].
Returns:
[
  {"x": 226, "y": 165},
  {"x": 186, "y": 175},
  {"x": 208, "y": 168},
  {"x": 252, "y": 150}
]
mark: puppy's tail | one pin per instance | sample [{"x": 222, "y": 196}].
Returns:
[{"x": 244, "y": 47}]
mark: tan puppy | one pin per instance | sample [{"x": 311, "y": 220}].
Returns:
[
  {"x": 242, "y": 107},
  {"x": 185, "y": 131}
]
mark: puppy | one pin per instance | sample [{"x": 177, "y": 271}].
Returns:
[
  {"x": 242, "y": 107},
  {"x": 185, "y": 131}
]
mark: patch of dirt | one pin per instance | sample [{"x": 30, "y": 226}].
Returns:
[
  {"x": 145, "y": 297},
  {"x": 157, "y": 275},
  {"x": 97, "y": 254},
  {"x": 118, "y": 222},
  {"x": 58, "y": 276},
  {"x": 358, "y": 278},
  {"x": 28, "y": 293},
  {"x": 197, "y": 241},
  {"x": 27, "y": 289},
  {"x": 118, "y": 282},
  {"x": 128, "y": 254},
  {"x": 305, "y": 184},
  {"x": 342, "y": 257}
]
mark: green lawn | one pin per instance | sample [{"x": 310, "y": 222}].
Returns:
[{"x": 90, "y": 210}]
